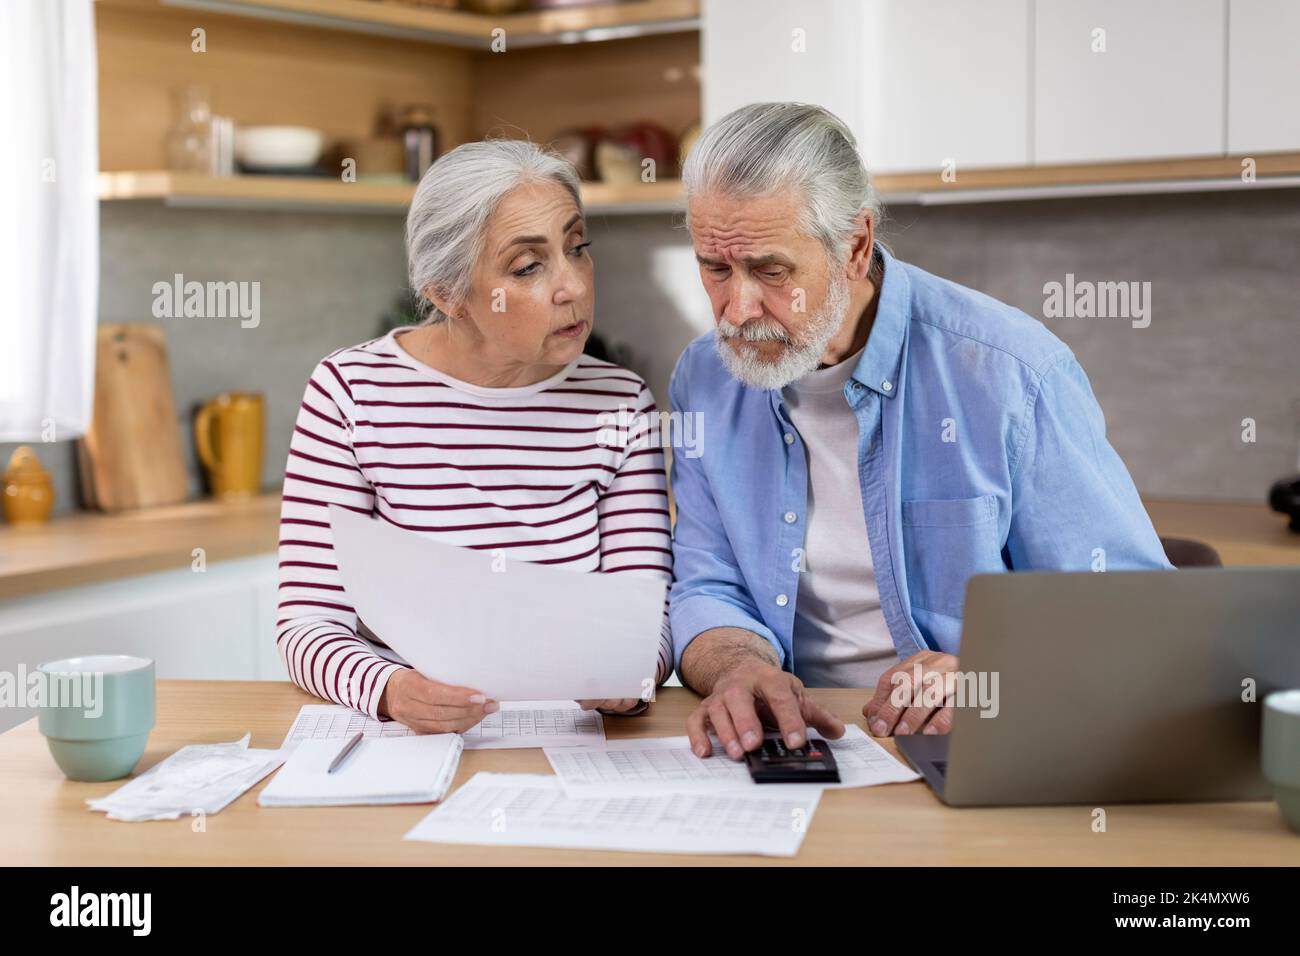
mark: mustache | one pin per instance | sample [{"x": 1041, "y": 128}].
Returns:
[{"x": 755, "y": 332}]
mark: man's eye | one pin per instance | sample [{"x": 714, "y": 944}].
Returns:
[{"x": 772, "y": 275}]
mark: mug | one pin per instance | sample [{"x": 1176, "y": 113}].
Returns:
[
  {"x": 97, "y": 714},
  {"x": 1280, "y": 748},
  {"x": 228, "y": 435}
]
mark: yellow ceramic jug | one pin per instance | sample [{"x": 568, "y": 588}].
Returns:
[{"x": 228, "y": 435}]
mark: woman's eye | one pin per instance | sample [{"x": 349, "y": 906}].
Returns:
[
  {"x": 527, "y": 270},
  {"x": 577, "y": 250}
]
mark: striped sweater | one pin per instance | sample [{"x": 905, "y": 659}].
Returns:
[{"x": 527, "y": 470}]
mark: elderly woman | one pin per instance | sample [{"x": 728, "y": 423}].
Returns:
[{"x": 478, "y": 428}]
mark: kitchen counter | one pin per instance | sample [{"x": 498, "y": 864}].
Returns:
[
  {"x": 88, "y": 547},
  {"x": 1243, "y": 532}
]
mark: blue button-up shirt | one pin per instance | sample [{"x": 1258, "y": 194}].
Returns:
[{"x": 981, "y": 448}]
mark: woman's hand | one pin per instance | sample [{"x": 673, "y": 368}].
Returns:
[
  {"x": 429, "y": 707},
  {"x": 615, "y": 705}
]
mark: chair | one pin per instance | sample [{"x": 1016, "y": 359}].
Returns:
[{"x": 1188, "y": 553}]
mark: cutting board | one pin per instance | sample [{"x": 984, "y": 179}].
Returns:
[{"x": 131, "y": 456}]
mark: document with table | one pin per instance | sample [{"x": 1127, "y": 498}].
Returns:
[
  {"x": 533, "y": 810},
  {"x": 521, "y": 723},
  {"x": 667, "y": 765}
]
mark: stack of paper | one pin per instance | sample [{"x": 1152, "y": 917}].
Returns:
[
  {"x": 200, "y": 778},
  {"x": 526, "y": 723},
  {"x": 532, "y": 810}
]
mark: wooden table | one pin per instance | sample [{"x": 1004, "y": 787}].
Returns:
[{"x": 44, "y": 820}]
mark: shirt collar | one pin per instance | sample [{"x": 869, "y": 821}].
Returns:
[{"x": 878, "y": 367}]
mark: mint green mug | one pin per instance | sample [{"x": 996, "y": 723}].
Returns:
[
  {"x": 1280, "y": 750},
  {"x": 97, "y": 713}
]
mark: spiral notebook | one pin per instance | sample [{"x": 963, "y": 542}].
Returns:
[{"x": 380, "y": 770}]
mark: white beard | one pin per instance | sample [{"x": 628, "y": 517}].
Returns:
[{"x": 795, "y": 360}]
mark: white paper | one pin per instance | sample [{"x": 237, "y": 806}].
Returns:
[
  {"x": 513, "y": 630},
  {"x": 667, "y": 764},
  {"x": 533, "y": 810},
  {"x": 413, "y": 769},
  {"x": 202, "y": 778},
  {"x": 518, "y": 724}
]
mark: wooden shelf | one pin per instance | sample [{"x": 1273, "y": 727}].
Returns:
[
  {"x": 269, "y": 192},
  {"x": 1147, "y": 176},
  {"x": 630, "y": 18},
  {"x": 308, "y": 194}
]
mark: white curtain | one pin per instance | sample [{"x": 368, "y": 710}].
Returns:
[{"x": 49, "y": 218}]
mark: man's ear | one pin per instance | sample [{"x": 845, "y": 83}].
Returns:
[{"x": 861, "y": 246}]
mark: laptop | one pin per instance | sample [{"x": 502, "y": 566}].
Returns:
[{"x": 1122, "y": 686}]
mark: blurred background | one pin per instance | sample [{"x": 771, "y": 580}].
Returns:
[{"x": 266, "y": 150}]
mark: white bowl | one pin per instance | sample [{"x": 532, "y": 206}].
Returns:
[{"x": 278, "y": 147}]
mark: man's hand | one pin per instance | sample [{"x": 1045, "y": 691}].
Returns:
[
  {"x": 747, "y": 697},
  {"x": 899, "y": 704},
  {"x": 430, "y": 707}
]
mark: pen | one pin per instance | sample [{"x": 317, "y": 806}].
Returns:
[{"x": 347, "y": 749}]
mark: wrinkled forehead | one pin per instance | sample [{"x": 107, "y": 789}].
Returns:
[{"x": 729, "y": 227}]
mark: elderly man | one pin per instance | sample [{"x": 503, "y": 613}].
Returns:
[{"x": 876, "y": 435}]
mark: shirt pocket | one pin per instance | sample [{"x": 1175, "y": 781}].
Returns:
[{"x": 944, "y": 543}]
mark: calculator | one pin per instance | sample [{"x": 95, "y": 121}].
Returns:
[{"x": 774, "y": 762}]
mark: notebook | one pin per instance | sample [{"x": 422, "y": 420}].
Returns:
[{"x": 415, "y": 769}]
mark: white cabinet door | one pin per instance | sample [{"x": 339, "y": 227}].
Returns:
[
  {"x": 760, "y": 50},
  {"x": 945, "y": 84},
  {"x": 214, "y": 625},
  {"x": 1263, "y": 76},
  {"x": 1117, "y": 79},
  {"x": 918, "y": 81}
]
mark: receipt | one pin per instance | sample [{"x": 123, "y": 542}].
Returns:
[{"x": 199, "y": 778}]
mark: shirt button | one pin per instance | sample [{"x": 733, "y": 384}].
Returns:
[
  {"x": 782, "y": 600},
  {"x": 789, "y": 439},
  {"x": 887, "y": 385},
  {"x": 791, "y": 517}
]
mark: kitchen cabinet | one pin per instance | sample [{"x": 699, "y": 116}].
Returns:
[
  {"x": 1263, "y": 76},
  {"x": 1117, "y": 80},
  {"x": 918, "y": 81},
  {"x": 218, "y": 624},
  {"x": 765, "y": 50},
  {"x": 945, "y": 82}
]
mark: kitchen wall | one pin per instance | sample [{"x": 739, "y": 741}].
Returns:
[{"x": 1223, "y": 343}]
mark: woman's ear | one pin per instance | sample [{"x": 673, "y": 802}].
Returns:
[
  {"x": 861, "y": 247},
  {"x": 438, "y": 297}
]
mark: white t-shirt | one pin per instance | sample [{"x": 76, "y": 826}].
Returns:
[{"x": 840, "y": 635}]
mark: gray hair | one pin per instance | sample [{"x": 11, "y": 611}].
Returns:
[
  {"x": 452, "y": 204},
  {"x": 764, "y": 148}
]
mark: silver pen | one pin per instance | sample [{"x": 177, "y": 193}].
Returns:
[{"x": 347, "y": 749}]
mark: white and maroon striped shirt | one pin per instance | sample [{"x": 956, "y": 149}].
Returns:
[{"x": 519, "y": 469}]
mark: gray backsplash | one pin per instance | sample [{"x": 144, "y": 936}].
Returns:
[{"x": 1223, "y": 343}]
